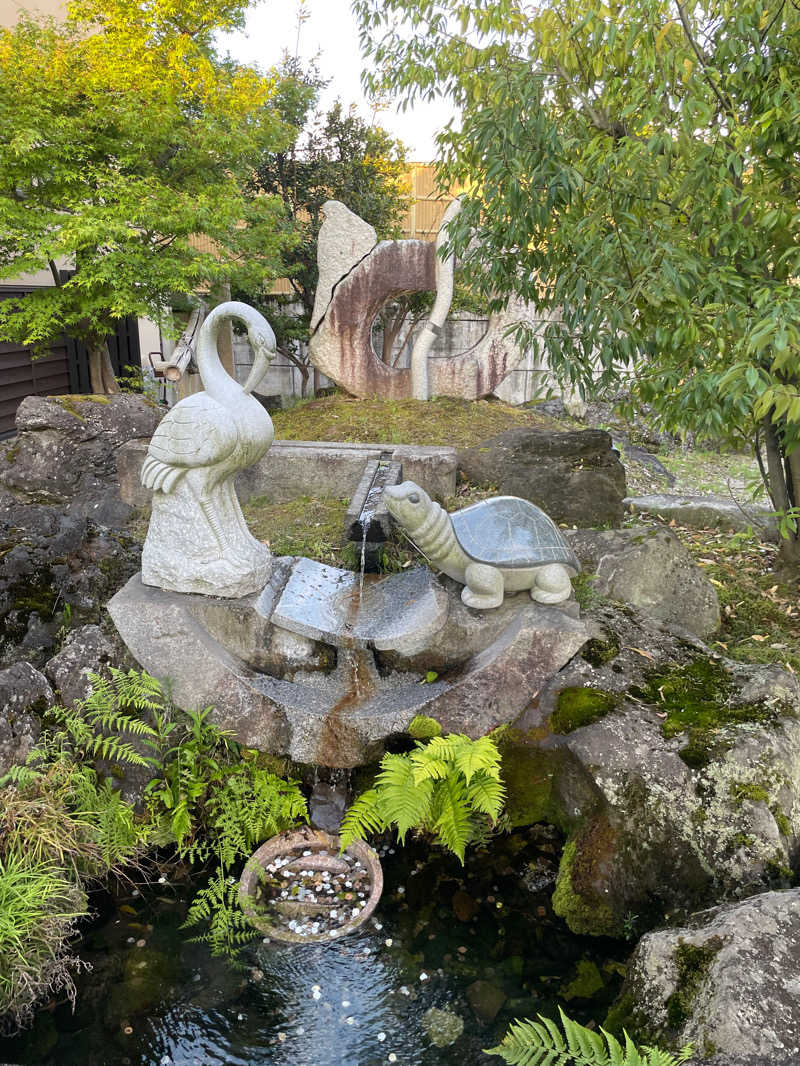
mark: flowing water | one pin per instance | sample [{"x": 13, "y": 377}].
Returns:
[{"x": 476, "y": 943}]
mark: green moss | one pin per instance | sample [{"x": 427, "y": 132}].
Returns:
[
  {"x": 781, "y": 820},
  {"x": 12, "y": 451},
  {"x": 528, "y": 773},
  {"x": 598, "y": 652},
  {"x": 68, "y": 402},
  {"x": 576, "y": 899},
  {"x": 423, "y": 728},
  {"x": 693, "y": 962},
  {"x": 748, "y": 790},
  {"x": 587, "y": 982},
  {"x": 445, "y": 420},
  {"x": 697, "y": 701},
  {"x": 577, "y": 707},
  {"x": 583, "y": 587}
]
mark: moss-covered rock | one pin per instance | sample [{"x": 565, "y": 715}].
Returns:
[{"x": 577, "y": 707}]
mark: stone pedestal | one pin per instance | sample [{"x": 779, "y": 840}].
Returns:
[{"x": 322, "y": 670}]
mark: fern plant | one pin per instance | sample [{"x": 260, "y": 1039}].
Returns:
[
  {"x": 544, "y": 1043},
  {"x": 447, "y": 786}
]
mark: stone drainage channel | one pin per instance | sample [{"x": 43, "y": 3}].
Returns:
[{"x": 448, "y": 959}]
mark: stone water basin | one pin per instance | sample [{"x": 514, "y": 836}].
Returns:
[{"x": 298, "y": 888}]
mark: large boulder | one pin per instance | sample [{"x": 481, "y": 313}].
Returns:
[
  {"x": 24, "y": 694},
  {"x": 63, "y": 545},
  {"x": 727, "y": 982},
  {"x": 56, "y": 569},
  {"x": 574, "y": 477},
  {"x": 649, "y": 568},
  {"x": 674, "y": 775},
  {"x": 65, "y": 447}
]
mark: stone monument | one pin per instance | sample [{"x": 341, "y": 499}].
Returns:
[
  {"x": 496, "y": 546},
  {"x": 358, "y": 274},
  {"x": 198, "y": 540}
]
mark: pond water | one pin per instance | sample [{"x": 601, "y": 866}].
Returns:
[{"x": 474, "y": 942}]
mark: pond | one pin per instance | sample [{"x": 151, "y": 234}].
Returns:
[{"x": 480, "y": 944}]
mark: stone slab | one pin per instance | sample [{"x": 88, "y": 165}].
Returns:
[
  {"x": 327, "y": 604},
  {"x": 293, "y": 468},
  {"x": 707, "y": 512}
]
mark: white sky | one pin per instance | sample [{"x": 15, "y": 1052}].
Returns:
[{"x": 330, "y": 31}]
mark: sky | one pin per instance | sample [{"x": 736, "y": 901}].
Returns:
[{"x": 330, "y": 32}]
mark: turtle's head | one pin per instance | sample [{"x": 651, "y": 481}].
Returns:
[{"x": 408, "y": 504}]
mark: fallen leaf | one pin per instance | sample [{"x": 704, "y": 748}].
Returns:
[
  {"x": 639, "y": 651},
  {"x": 759, "y": 637}
]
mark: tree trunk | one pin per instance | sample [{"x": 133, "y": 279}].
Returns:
[
  {"x": 784, "y": 484},
  {"x": 101, "y": 373}
]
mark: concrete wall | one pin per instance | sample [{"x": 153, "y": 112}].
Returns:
[{"x": 10, "y": 9}]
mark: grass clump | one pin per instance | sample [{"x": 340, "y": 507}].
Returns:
[{"x": 314, "y": 528}]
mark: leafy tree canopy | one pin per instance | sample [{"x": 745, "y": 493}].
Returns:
[
  {"x": 124, "y": 138},
  {"x": 634, "y": 165}
]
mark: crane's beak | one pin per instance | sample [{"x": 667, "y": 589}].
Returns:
[{"x": 263, "y": 351}]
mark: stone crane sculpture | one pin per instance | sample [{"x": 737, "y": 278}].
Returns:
[
  {"x": 496, "y": 546},
  {"x": 198, "y": 540}
]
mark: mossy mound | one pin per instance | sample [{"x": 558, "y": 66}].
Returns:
[{"x": 445, "y": 420}]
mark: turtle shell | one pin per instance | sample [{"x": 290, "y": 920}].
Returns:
[{"x": 507, "y": 531}]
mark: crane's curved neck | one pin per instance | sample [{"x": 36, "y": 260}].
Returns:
[{"x": 217, "y": 381}]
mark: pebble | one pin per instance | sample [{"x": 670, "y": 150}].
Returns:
[
  {"x": 162, "y": 880},
  {"x": 350, "y": 1020},
  {"x": 392, "y": 1057},
  {"x": 281, "y": 1037},
  {"x": 381, "y": 1037},
  {"x": 423, "y": 976},
  {"x": 388, "y": 942},
  {"x": 140, "y": 943},
  {"x": 316, "y": 994},
  {"x": 345, "y": 1002}
]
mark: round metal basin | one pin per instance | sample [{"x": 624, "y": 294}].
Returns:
[{"x": 297, "y": 888}]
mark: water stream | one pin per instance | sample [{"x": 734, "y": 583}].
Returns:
[{"x": 476, "y": 943}]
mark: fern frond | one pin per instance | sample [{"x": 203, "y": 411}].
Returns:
[
  {"x": 480, "y": 754},
  {"x": 402, "y": 801},
  {"x": 362, "y": 817},
  {"x": 541, "y": 1043},
  {"x": 453, "y": 824},
  {"x": 486, "y": 794}
]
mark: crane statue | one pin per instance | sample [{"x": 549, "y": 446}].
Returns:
[{"x": 198, "y": 540}]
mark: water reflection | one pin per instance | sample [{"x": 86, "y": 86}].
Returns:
[{"x": 439, "y": 939}]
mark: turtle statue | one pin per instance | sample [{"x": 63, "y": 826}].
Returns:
[{"x": 500, "y": 545}]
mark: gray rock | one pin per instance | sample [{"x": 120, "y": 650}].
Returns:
[
  {"x": 727, "y": 982},
  {"x": 657, "y": 823},
  {"x": 24, "y": 693},
  {"x": 65, "y": 447},
  {"x": 327, "y": 805},
  {"x": 50, "y": 559},
  {"x": 576, "y": 477},
  {"x": 707, "y": 512},
  {"x": 86, "y": 650},
  {"x": 649, "y": 568}
]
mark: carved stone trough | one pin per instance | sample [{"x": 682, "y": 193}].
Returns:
[{"x": 298, "y": 889}]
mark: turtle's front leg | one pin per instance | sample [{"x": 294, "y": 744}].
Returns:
[
  {"x": 484, "y": 586},
  {"x": 551, "y": 584}
]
